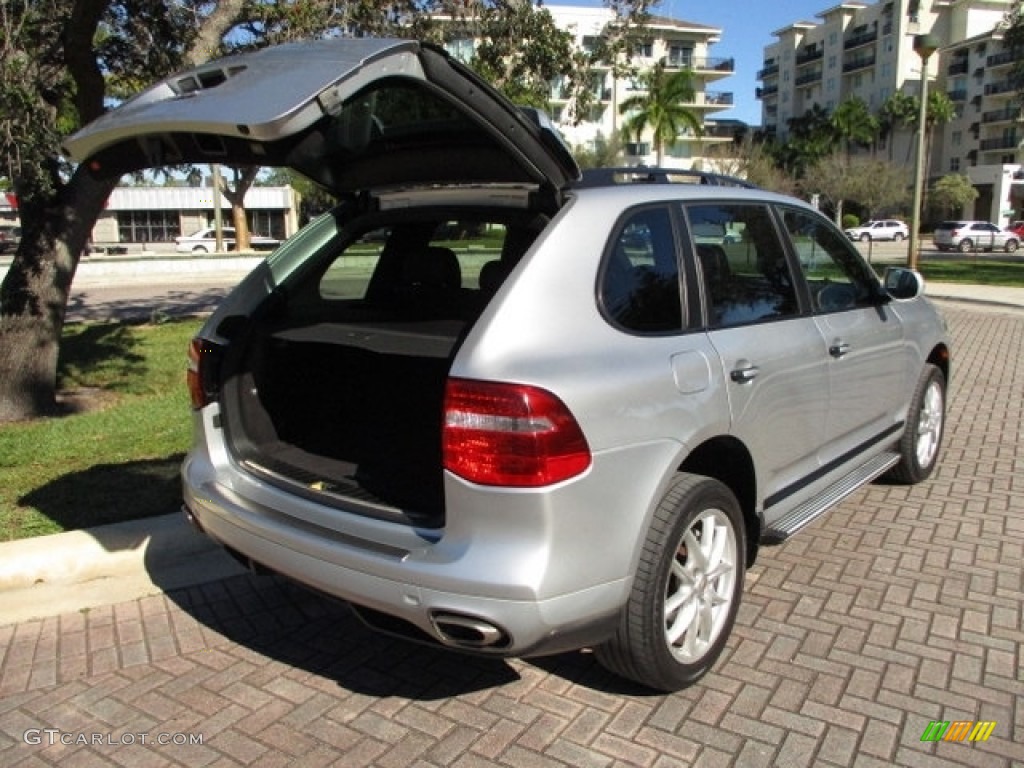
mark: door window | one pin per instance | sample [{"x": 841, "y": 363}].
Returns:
[
  {"x": 837, "y": 277},
  {"x": 744, "y": 271}
]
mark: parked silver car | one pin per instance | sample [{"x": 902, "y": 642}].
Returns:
[
  {"x": 882, "y": 229},
  {"x": 533, "y": 412},
  {"x": 967, "y": 236}
]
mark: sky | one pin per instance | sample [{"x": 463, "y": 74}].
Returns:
[{"x": 747, "y": 27}]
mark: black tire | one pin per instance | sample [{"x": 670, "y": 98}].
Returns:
[
  {"x": 926, "y": 419},
  {"x": 965, "y": 246},
  {"x": 694, "y": 510},
  {"x": 898, "y": 237},
  {"x": 865, "y": 238},
  {"x": 199, "y": 249},
  {"x": 1011, "y": 246}
]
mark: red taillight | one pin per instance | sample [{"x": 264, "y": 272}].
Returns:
[
  {"x": 202, "y": 358},
  {"x": 510, "y": 435}
]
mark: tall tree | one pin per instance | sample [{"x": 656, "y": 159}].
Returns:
[
  {"x": 898, "y": 113},
  {"x": 853, "y": 124},
  {"x": 662, "y": 107},
  {"x": 951, "y": 193},
  {"x": 941, "y": 109},
  {"x": 811, "y": 138}
]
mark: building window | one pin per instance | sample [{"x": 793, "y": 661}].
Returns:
[
  {"x": 644, "y": 50},
  {"x": 957, "y": 138},
  {"x": 148, "y": 226},
  {"x": 680, "y": 56},
  {"x": 638, "y": 148},
  {"x": 954, "y": 164},
  {"x": 267, "y": 223}
]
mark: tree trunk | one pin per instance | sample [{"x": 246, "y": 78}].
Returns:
[
  {"x": 244, "y": 178},
  {"x": 34, "y": 294}
]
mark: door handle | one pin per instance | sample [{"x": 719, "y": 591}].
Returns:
[
  {"x": 743, "y": 375},
  {"x": 839, "y": 349}
]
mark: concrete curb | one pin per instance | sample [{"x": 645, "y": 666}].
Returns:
[{"x": 77, "y": 570}]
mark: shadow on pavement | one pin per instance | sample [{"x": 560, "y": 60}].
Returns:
[
  {"x": 283, "y": 621},
  {"x": 89, "y": 306}
]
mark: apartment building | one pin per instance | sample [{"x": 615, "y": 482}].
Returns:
[
  {"x": 681, "y": 45},
  {"x": 857, "y": 49}
]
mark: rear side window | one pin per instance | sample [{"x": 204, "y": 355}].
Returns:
[
  {"x": 639, "y": 287},
  {"x": 744, "y": 271}
]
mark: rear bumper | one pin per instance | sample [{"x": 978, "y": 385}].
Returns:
[{"x": 411, "y": 589}]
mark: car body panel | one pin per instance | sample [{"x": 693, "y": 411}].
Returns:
[{"x": 326, "y": 120}]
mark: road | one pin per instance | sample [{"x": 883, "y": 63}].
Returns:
[{"x": 146, "y": 289}]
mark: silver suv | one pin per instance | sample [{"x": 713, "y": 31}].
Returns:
[
  {"x": 967, "y": 236},
  {"x": 507, "y": 409},
  {"x": 882, "y": 229}
]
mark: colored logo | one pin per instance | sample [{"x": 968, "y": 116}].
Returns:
[{"x": 958, "y": 730}]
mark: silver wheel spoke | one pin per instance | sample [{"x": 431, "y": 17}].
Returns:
[{"x": 701, "y": 585}]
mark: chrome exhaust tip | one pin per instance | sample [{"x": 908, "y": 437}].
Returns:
[{"x": 468, "y": 632}]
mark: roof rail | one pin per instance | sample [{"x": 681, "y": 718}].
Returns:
[{"x": 641, "y": 174}]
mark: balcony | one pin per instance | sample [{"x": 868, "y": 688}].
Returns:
[
  {"x": 859, "y": 62},
  {"x": 858, "y": 39},
  {"x": 718, "y": 98},
  {"x": 768, "y": 71},
  {"x": 712, "y": 64},
  {"x": 1005, "y": 115},
  {"x": 1001, "y": 58},
  {"x": 1003, "y": 142},
  {"x": 766, "y": 91},
  {"x": 959, "y": 94},
  {"x": 807, "y": 56},
  {"x": 1003, "y": 86},
  {"x": 958, "y": 67},
  {"x": 808, "y": 79}
]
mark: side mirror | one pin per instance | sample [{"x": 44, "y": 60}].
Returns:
[{"x": 903, "y": 283}]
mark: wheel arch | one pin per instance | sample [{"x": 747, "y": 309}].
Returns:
[
  {"x": 727, "y": 460},
  {"x": 939, "y": 357}
]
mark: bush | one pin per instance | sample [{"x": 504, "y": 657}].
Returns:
[{"x": 850, "y": 220}]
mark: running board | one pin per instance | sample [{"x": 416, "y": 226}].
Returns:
[{"x": 792, "y": 522}]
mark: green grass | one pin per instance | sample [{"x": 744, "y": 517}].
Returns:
[
  {"x": 1005, "y": 273},
  {"x": 116, "y": 460}
]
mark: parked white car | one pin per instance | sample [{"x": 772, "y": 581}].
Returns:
[
  {"x": 883, "y": 229},
  {"x": 205, "y": 241},
  {"x": 967, "y": 236}
]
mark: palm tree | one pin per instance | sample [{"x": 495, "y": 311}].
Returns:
[
  {"x": 662, "y": 107},
  {"x": 898, "y": 113},
  {"x": 941, "y": 110},
  {"x": 853, "y": 123},
  {"x": 811, "y": 138}
]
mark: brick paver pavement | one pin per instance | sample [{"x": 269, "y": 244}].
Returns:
[{"x": 902, "y": 606}]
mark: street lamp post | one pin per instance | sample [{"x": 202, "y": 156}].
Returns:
[{"x": 925, "y": 46}]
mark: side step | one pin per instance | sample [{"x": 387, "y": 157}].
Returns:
[{"x": 790, "y": 523}]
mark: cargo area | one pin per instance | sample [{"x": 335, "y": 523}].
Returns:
[{"x": 349, "y": 412}]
